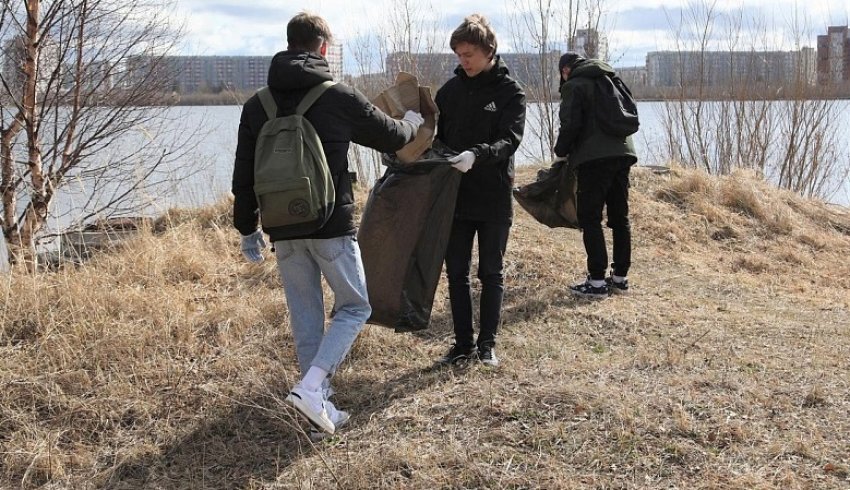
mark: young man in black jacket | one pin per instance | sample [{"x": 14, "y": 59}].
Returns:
[
  {"x": 341, "y": 115},
  {"x": 603, "y": 161},
  {"x": 482, "y": 116}
]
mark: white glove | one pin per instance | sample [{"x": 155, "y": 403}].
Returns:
[
  {"x": 252, "y": 245},
  {"x": 413, "y": 118},
  {"x": 464, "y": 161}
]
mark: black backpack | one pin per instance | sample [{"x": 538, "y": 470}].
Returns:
[{"x": 616, "y": 110}]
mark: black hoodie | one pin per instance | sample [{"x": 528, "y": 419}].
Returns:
[
  {"x": 342, "y": 115},
  {"x": 486, "y": 115}
]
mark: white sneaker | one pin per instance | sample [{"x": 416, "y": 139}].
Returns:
[
  {"x": 313, "y": 406},
  {"x": 338, "y": 417}
]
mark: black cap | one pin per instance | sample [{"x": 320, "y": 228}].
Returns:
[{"x": 570, "y": 59}]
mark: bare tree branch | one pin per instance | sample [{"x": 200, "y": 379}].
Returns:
[
  {"x": 733, "y": 112},
  {"x": 90, "y": 97}
]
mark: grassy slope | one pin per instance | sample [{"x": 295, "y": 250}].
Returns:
[{"x": 164, "y": 365}]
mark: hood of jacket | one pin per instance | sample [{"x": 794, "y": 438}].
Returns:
[
  {"x": 297, "y": 70},
  {"x": 591, "y": 69},
  {"x": 499, "y": 70}
]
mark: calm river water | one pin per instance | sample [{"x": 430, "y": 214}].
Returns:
[{"x": 212, "y": 157}]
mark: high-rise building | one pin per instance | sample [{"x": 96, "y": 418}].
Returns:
[
  {"x": 729, "y": 68},
  {"x": 589, "y": 43},
  {"x": 243, "y": 73},
  {"x": 335, "y": 60},
  {"x": 833, "y": 56},
  {"x": 216, "y": 73}
]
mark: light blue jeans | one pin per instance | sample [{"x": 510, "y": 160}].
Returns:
[{"x": 301, "y": 264}]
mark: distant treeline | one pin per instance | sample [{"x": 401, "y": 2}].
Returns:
[
  {"x": 208, "y": 98},
  {"x": 644, "y": 92},
  {"x": 641, "y": 92}
]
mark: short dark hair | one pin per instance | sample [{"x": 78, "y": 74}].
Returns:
[
  {"x": 571, "y": 59},
  {"x": 306, "y": 31},
  {"x": 475, "y": 30}
]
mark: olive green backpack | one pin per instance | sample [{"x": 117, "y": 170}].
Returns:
[{"x": 292, "y": 181}]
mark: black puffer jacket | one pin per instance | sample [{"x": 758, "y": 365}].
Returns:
[
  {"x": 342, "y": 115},
  {"x": 486, "y": 115}
]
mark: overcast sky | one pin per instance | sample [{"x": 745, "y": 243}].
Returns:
[{"x": 229, "y": 27}]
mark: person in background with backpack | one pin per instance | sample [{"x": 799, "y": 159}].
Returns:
[
  {"x": 482, "y": 116},
  {"x": 603, "y": 163},
  {"x": 340, "y": 115}
]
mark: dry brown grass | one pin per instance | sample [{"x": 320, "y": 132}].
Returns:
[{"x": 164, "y": 364}]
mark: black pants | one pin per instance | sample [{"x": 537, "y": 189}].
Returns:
[
  {"x": 492, "y": 243},
  {"x": 604, "y": 183}
]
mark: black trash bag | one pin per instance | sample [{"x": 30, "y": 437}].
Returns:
[
  {"x": 551, "y": 199},
  {"x": 403, "y": 236}
]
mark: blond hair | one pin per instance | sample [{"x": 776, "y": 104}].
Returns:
[{"x": 475, "y": 30}]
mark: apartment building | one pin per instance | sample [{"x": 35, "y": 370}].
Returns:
[
  {"x": 730, "y": 68},
  {"x": 192, "y": 74},
  {"x": 833, "y": 56}
]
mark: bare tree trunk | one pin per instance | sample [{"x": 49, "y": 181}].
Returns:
[
  {"x": 88, "y": 71},
  {"x": 8, "y": 185},
  {"x": 5, "y": 263},
  {"x": 36, "y": 212}
]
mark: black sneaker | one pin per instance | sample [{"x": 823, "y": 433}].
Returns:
[
  {"x": 457, "y": 354},
  {"x": 617, "y": 287},
  {"x": 587, "y": 290},
  {"x": 487, "y": 355}
]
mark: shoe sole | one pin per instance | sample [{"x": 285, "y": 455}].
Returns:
[
  {"x": 589, "y": 296},
  {"x": 614, "y": 289},
  {"x": 457, "y": 360},
  {"x": 317, "y": 435},
  {"x": 302, "y": 408}
]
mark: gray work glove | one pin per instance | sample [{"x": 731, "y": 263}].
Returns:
[
  {"x": 413, "y": 118},
  {"x": 252, "y": 246},
  {"x": 464, "y": 161}
]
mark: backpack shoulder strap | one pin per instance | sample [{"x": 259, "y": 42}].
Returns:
[
  {"x": 269, "y": 105},
  {"x": 312, "y": 96}
]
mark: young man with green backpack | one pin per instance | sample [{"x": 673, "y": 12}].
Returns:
[{"x": 291, "y": 176}]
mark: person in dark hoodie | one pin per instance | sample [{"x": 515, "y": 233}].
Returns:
[
  {"x": 340, "y": 116},
  {"x": 482, "y": 116},
  {"x": 603, "y": 163}
]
